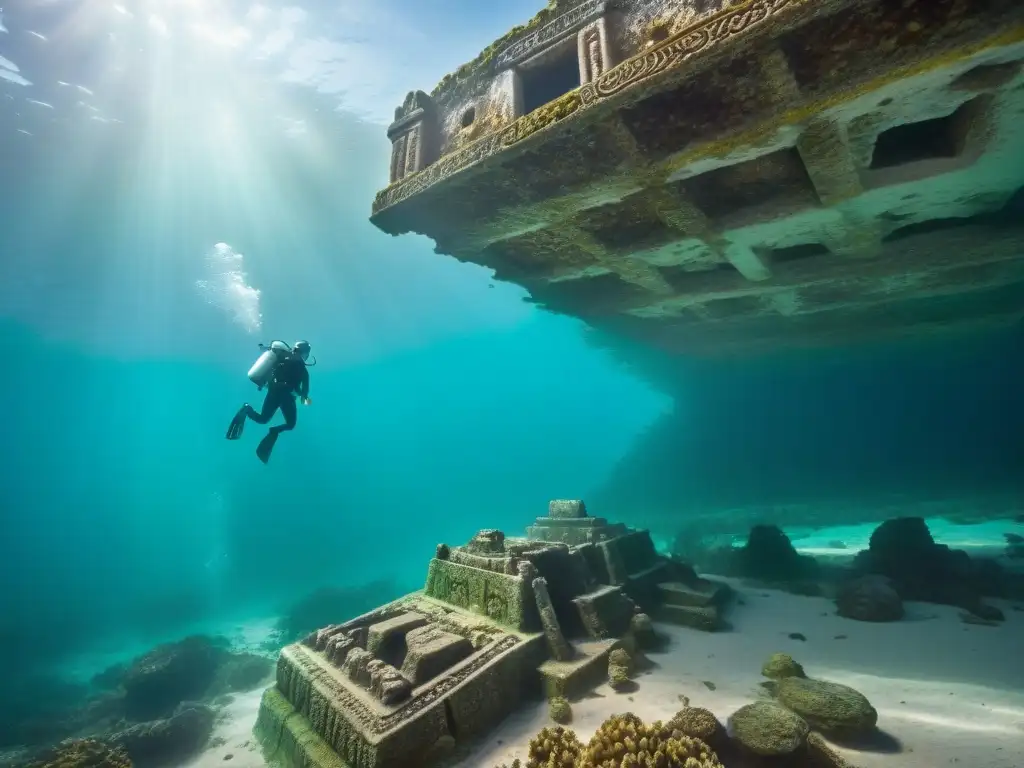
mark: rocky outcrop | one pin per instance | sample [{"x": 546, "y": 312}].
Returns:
[
  {"x": 156, "y": 683},
  {"x": 903, "y": 550},
  {"x": 771, "y": 556},
  {"x": 869, "y": 598},
  {"x": 169, "y": 741}
]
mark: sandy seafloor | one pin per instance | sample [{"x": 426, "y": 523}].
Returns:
[{"x": 947, "y": 693}]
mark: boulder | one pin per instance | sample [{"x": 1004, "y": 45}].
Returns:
[
  {"x": 771, "y": 556},
  {"x": 833, "y": 709},
  {"x": 768, "y": 729},
  {"x": 869, "y": 598}
]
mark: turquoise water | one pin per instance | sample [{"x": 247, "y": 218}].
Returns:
[{"x": 168, "y": 202}]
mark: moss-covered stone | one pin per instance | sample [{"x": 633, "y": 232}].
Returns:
[
  {"x": 560, "y": 710},
  {"x": 831, "y": 708},
  {"x": 287, "y": 739},
  {"x": 618, "y": 677},
  {"x": 697, "y": 723},
  {"x": 556, "y": 747},
  {"x": 766, "y": 728},
  {"x": 780, "y": 665},
  {"x": 498, "y": 596},
  {"x": 482, "y": 64}
]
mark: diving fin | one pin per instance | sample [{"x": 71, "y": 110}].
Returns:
[
  {"x": 237, "y": 425},
  {"x": 266, "y": 446}
]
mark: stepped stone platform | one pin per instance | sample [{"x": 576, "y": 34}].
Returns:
[
  {"x": 499, "y": 621},
  {"x": 713, "y": 177}
]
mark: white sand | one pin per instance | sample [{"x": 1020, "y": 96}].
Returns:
[
  {"x": 946, "y": 692},
  {"x": 233, "y": 736}
]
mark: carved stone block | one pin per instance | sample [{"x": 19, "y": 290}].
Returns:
[
  {"x": 387, "y": 683},
  {"x": 560, "y": 648},
  {"x": 431, "y": 651},
  {"x": 414, "y": 136},
  {"x": 606, "y": 612},
  {"x": 337, "y": 648},
  {"x": 381, "y": 633},
  {"x": 571, "y": 508},
  {"x": 595, "y": 50}
]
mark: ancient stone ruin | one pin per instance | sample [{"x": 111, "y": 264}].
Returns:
[
  {"x": 719, "y": 177},
  {"x": 499, "y": 621}
]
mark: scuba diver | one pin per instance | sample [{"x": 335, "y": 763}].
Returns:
[{"x": 283, "y": 371}]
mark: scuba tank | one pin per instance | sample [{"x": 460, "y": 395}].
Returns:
[{"x": 263, "y": 369}]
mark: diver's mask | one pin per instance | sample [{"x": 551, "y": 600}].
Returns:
[{"x": 301, "y": 348}]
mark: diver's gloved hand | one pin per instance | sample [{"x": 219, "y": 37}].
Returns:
[{"x": 307, "y": 401}]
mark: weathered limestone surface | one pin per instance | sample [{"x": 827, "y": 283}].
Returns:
[
  {"x": 557, "y": 644},
  {"x": 730, "y": 178},
  {"x": 499, "y": 620}
]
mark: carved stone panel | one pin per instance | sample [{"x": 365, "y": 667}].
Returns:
[
  {"x": 549, "y": 34},
  {"x": 595, "y": 50},
  {"x": 414, "y": 136}
]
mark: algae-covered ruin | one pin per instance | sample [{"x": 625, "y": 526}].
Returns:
[
  {"x": 500, "y": 621},
  {"x": 719, "y": 177}
]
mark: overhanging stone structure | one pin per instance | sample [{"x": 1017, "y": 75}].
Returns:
[
  {"x": 499, "y": 620},
  {"x": 718, "y": 177}
]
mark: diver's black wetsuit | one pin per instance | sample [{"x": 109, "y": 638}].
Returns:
[{"x": 290, "y": 378}]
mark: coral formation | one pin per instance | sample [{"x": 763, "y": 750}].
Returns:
[
  {"x": 624, "y": 741},
  {"x": 831, "y": 708},
  {"x": 766, "y": 728},
  {"x": 781, "y": 665},
  {"x": 556, "y": 747},
  {"x": 83, "y": 753},
  {"x": 560, "y": 710},
  {"x": 697, "y": 723},
  {"x": 620, "y": 668}
]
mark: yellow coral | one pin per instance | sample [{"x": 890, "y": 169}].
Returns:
[
  {"x": 625, "y": 741},
  {"x": 697, "y": 723},
  {"x": 556, "y": 747},
  {"x": 620, "y": 657},
  {"x": 560, "y": 710}
]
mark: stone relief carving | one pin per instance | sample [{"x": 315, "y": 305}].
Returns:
[
  {"x": 550, "y": 32},
  {"x": 690, "y": 42}
]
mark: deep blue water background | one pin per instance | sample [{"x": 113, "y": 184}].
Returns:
[{"x": 442, "y": 402}]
